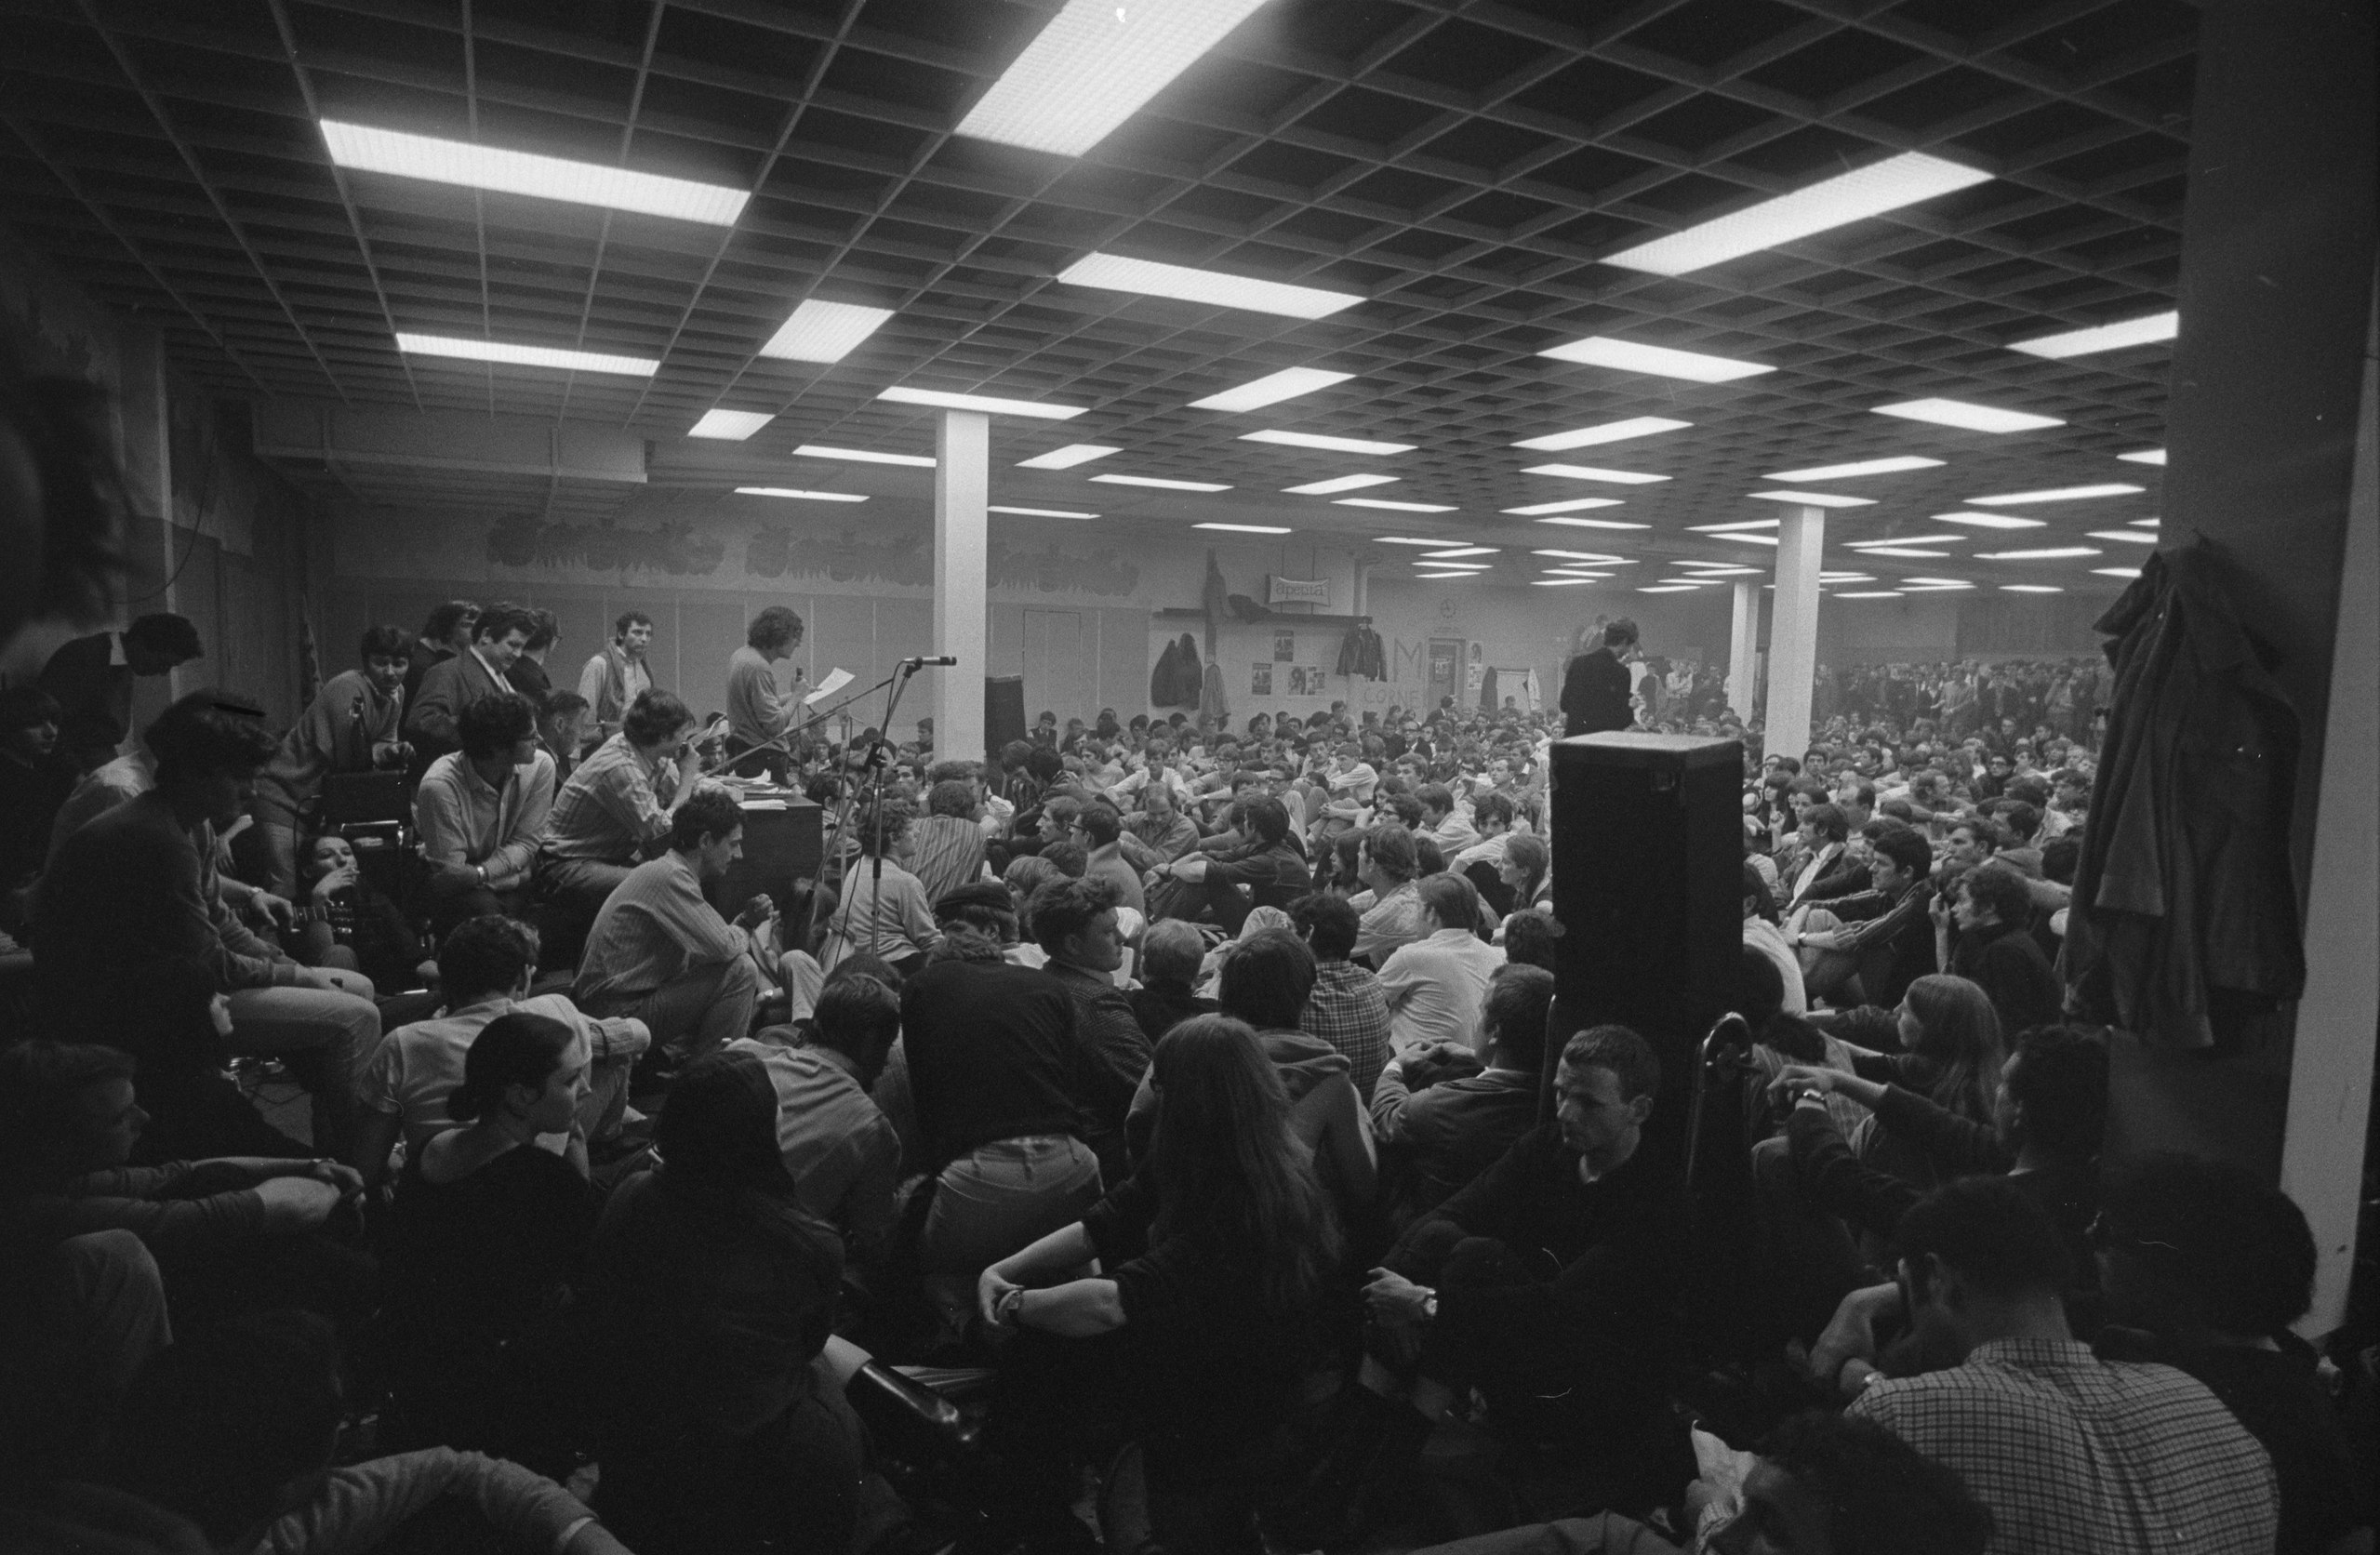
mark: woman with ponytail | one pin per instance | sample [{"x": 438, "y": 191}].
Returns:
[{"x": 488, "y": 1237}]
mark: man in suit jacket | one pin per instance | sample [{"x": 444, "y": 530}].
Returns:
[
  {"x": 455, "y": 683},
  {"x": 1595, "y": 688}
]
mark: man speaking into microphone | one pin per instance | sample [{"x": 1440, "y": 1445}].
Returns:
[{"x": 756, "y": 713}]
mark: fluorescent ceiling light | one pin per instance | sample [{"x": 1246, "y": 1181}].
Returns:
[
  {"x": 1629, "y": 357},
  {"x": 1271, "y": 389},
  {"x": 1444, "y": 576},
  {"x": 1910, "y": 552},
  {"x": 1855, "y": 196},
  {"x": 823, "y": 331},
  {"x": 1577, "y": 555},
  {"x": 1335, "y": 444},
  {"x": 1115, "y": 273},
  {"x": 732, "y": 426},
  {"x": 1576, "y": 504},
  {"x": 2147, "y": 523},
  {"x": 1893, "y": 466},
  {"x": 1339, "y": 483},
  {"x": 1561, "y": 583},
  {"x": 1572, "y": 569},
  {"x": 1040, "y": 512},
  {"x": 1589, "y": 472},
  {"x": 1733, "y": 525},
  {"x": 2030, "y": 588},
  {"x": 1867, "y": 593},
  {"x": 1973, "y": 418},
  {"x": 862, "y": 455},
  {"x": 2115, "y": 572},
  {"x": 1991, "y": 521},
  {"x": 1406, "y": 539},
  {"x": 2105, "y": 337},
  {"x": 1813, "y": 499},
  {"x": 1610, "y": 431},
  {"x": 1910, "y": 540},
  {"x": 1594, "y": 524},
  {"x": 1243, "y": 529},
  {"x": 1068, "y": 456},
  {"x": 1846, "y": 577},
  {"x": 2129, "y": 536},
  {"x": 525, "y": 356},
  {"x": 1457, "y": 567},
  {"x": 1392, "y": 506},
  {"x": 2056, "y": 494},
  {"x": 800, "y": 495},
  {"x": 546, "y": 178},
  {"x": 1162, "y": 484},
  {"x": 1037, "y": 408},
  {"x": 1750, "y": 538},
  {"x": 1714, "y": 569},
  {"x": 1453, "y": 552},
  {"x": 2044, "y": 553},
  {"x": 1934, "y": 585},
  {"x": 1667, "y": 588},
  {"x": 2144, "y": 456},
  {"x": 1092, "y": 67}
]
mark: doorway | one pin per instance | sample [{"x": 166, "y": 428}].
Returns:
[{"x": 1445, "y": 670}]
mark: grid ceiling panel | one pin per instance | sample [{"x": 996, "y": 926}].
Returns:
[{"x": 1463, "y": 165}]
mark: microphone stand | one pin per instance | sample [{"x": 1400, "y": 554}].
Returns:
[{"x": 899, "y": 682}]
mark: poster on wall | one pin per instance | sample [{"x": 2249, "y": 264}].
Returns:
[
  {"x": 1284, "y": 646},
  {"x": 1260, "y": 680}
]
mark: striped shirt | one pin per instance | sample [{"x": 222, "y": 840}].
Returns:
[
  {"x": 2075, "y": 1455},
  {"x": 655, "y": 927},
  {"x": 945, "y": 852},
  {"x": 610, "y": 809}
]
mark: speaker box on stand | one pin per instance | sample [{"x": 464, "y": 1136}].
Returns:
[
  {"x": 1003, "y": 711},
  {"x": 1648, "y": 863}
]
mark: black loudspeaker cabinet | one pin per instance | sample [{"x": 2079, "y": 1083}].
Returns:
[
  {"x": 1003, "y": 711},
  {"x": 780, "y": 846},
  {"x": 1648, "y": 865}
]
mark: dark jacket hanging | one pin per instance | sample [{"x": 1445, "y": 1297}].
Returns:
[
  {"x": 2184, "y": 910},
  {"x": 1163, "y": 678}
]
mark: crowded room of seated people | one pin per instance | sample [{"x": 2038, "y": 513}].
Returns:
[{"x": 1658, "y": 1085}]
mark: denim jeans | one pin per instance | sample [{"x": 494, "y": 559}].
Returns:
[{"x": 999, "y": 1198}]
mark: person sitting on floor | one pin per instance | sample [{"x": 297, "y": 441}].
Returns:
[
  {"x": 1170, "y": 953},
  {"x": 2072, "y": 1453},
  {"x": 1393, "y": 914},
  {"x": 1436, "y": 985},
  {"x": 1442, "y": 1136},
  {"x": 1266, "y": 863},
  {"x": 661, "y": 953},
  {"x": 1547, "y": 1284},
  {"x": 1213, "y": 1259},
  {"x": 231, "y": 1234},
  {"x": 485, "y": 968},
  {"x": 486, "y": 1238},
  {"x": 617, "y": 808},
  {"x": 346, "y": 921},
  {"x": 840, "y": 1149},
  {"x": 711, "y": 1292},
  {"x": 2205, "y": 1267},
  {"x": 884, "y": 910},
  {"x": 1983, "y": 933},
  {"x": 1345, "y": 1008},
  {"x": 354, "y": 724}
]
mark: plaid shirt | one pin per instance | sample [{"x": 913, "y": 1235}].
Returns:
[
  {"x": 2075, "y": 1455},
  {"x": 1348, "y": 1010}
]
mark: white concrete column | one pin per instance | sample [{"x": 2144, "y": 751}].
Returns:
[
  {"x": 962, "y": 603},
  {"x": 1744, "y": 645},
  {"x": 1794, "y": 631}
]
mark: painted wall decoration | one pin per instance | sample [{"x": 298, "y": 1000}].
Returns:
[{"x": 677, "y": 549}]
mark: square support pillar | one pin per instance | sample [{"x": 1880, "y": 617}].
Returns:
[
  {"x": 962, "y": 603},
  {"x": 1744, "y": 646},
  {"x": 1794, "y": 631}
]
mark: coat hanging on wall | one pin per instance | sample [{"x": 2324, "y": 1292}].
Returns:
[
  {"x": 1164, "y": 681},
  {"x": 1360, "y": 653}
]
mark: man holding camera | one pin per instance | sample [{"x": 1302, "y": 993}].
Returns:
[{"x": 354, "y": 724}]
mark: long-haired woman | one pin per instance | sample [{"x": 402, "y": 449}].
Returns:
[
  {"x": 1951, "y": 1053},
  {"x": 1215, "y": 1260}
]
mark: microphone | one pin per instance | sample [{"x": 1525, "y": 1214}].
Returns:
[{"x": 923, "y": 660}]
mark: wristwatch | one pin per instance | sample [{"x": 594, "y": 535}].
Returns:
[{"x": 1810, "y": 1094}]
